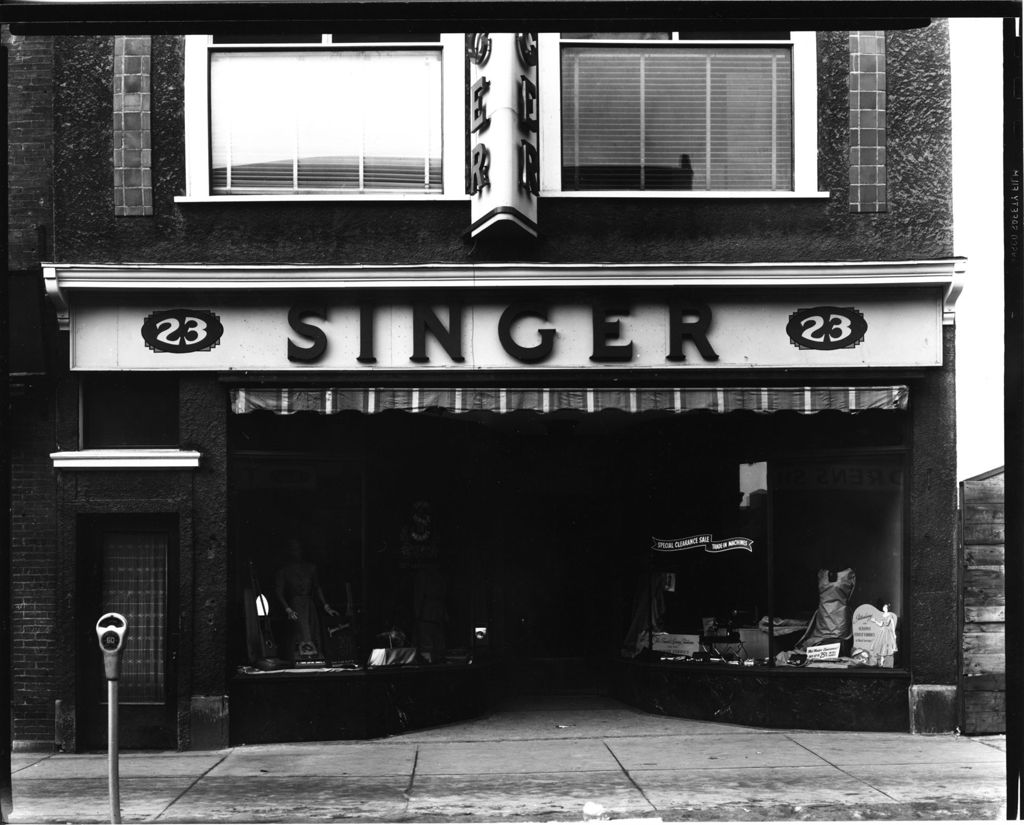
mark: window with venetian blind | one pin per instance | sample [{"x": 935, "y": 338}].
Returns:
[
  {"x": 325, "y": 119},
  {"x": 675, "y": 115}
]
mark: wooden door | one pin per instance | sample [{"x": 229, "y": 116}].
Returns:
[{"x": 127, "y": 568}]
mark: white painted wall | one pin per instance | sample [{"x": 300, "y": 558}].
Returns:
[{"x": 976, "y": 53}]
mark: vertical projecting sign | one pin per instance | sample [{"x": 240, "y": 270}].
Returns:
[{"x": 504, "y": 163}]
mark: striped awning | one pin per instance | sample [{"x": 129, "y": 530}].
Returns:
[{"x": 327, "y": 400}]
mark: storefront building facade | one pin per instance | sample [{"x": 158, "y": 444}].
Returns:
[{"x": 394, "y": 374}]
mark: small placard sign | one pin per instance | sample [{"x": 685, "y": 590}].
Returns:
[
  {"x": 676, "y": 644},
  {"x": 820, "y": 653}
]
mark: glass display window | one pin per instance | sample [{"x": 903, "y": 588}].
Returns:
[
  {"x": 838, "y": 552},
  {"x": 298, "y": 528},
  {"x": 803, "y": 567}
]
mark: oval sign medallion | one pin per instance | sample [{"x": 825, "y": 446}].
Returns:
[
  {"x": 826, "y": 327},
  {"x": 182, "y": 330}
]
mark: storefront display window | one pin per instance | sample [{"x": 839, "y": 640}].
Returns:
[
  {"x": 806, "y": 570},
  {"x": 838, "y": 539},
  {"x": 569, "y": 537},
  {"x": 298, "y": 529},
  {"x": 343, "y": 559}
]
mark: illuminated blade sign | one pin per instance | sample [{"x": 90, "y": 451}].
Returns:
[{"x": 504, "y": 174}]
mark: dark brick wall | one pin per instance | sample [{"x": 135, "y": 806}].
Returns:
[
  {"x": 932, "y": 577},
  {"x": 918, "y": 224},
  {"x": 29, "y": 145},
  {"x": 204, "y": 569},
  {"x": 199, "y": 499},
  {"x": 34, "y": 657},
  {"x": 919, "y": 135},
  {"x": 33, "y": 558}
]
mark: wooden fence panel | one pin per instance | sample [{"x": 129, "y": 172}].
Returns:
[{"x": 983, "y": 670}]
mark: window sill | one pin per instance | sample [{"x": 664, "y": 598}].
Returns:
[
  {"x": 388, "y": 197},
  {"x": 603, "y": 194},
  {"x": 125, "y": 459},
  {"x": 744, "y": 194}
]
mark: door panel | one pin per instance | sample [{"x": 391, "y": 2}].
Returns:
[{"x": 127, "y": 567}]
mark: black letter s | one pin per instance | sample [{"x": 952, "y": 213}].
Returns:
[{"x": 315, "y": 351}]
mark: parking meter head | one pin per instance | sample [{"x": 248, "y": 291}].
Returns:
[{"x": 110, "y": 632}]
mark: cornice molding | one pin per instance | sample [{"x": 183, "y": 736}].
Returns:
[{"x": 63, "y": 279}]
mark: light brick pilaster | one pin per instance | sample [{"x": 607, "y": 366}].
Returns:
[
  {"x": 868, "y": 177},
  {"x": 133, "y": 155}
]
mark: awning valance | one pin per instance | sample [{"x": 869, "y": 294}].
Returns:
[{"x": 329, "y": 400}]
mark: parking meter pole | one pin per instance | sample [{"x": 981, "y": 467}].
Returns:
[
  {"x": 110, "y": 632},
  {"x": 112, "y": 753}
]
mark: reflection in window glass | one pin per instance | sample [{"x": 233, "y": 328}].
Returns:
[
  {"x": 677, "y": 118},
  {"x": 308, "y": 122}
]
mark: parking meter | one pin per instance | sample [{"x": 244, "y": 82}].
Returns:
[{"x": 110, "y": 630}]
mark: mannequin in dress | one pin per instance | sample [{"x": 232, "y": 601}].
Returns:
[
  {"x": 298, "y": 591},
  {"x": 420, "y": 554}
]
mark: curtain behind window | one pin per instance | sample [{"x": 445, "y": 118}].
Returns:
[
  {"x": 135, "y": 585},
  {"x": 293, "y": 121},
  {"x": 677, "y": 118}
]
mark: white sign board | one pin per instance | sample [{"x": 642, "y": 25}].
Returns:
[
  {"x": 535, "y": 332},
  {"x": 822, "y": 653},
  {"x": 675, "y": 644},
  {"x": 874, "y": 635}
]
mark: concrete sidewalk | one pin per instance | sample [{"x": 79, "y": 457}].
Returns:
[{"x": 557, "y": 759}]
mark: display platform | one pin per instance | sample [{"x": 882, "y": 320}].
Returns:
[
  {"x": 323, "y": 704},
  {"x": 818, "y": 698}
]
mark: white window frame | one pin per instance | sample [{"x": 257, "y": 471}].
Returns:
[
  {"x": 126, "y": 459},
  {"x": 197, "y": 126},
  {"x": 805, "y": 123}
]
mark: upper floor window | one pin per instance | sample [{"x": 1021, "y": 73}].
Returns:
[
  {"x": 680, "y": 112},
  {"x": 296, "y": 116},
  {"x": 636, "y": 114}
]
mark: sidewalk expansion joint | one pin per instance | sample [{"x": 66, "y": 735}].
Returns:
[
  {"x": 629, "y": 776},
  {"x": 191, "y": 785},
  {"x": 842, "y": 771},
  {"x": 407, "y": 793}
]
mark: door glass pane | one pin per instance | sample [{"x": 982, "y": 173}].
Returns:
[{"x": 135, "y": 585}]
